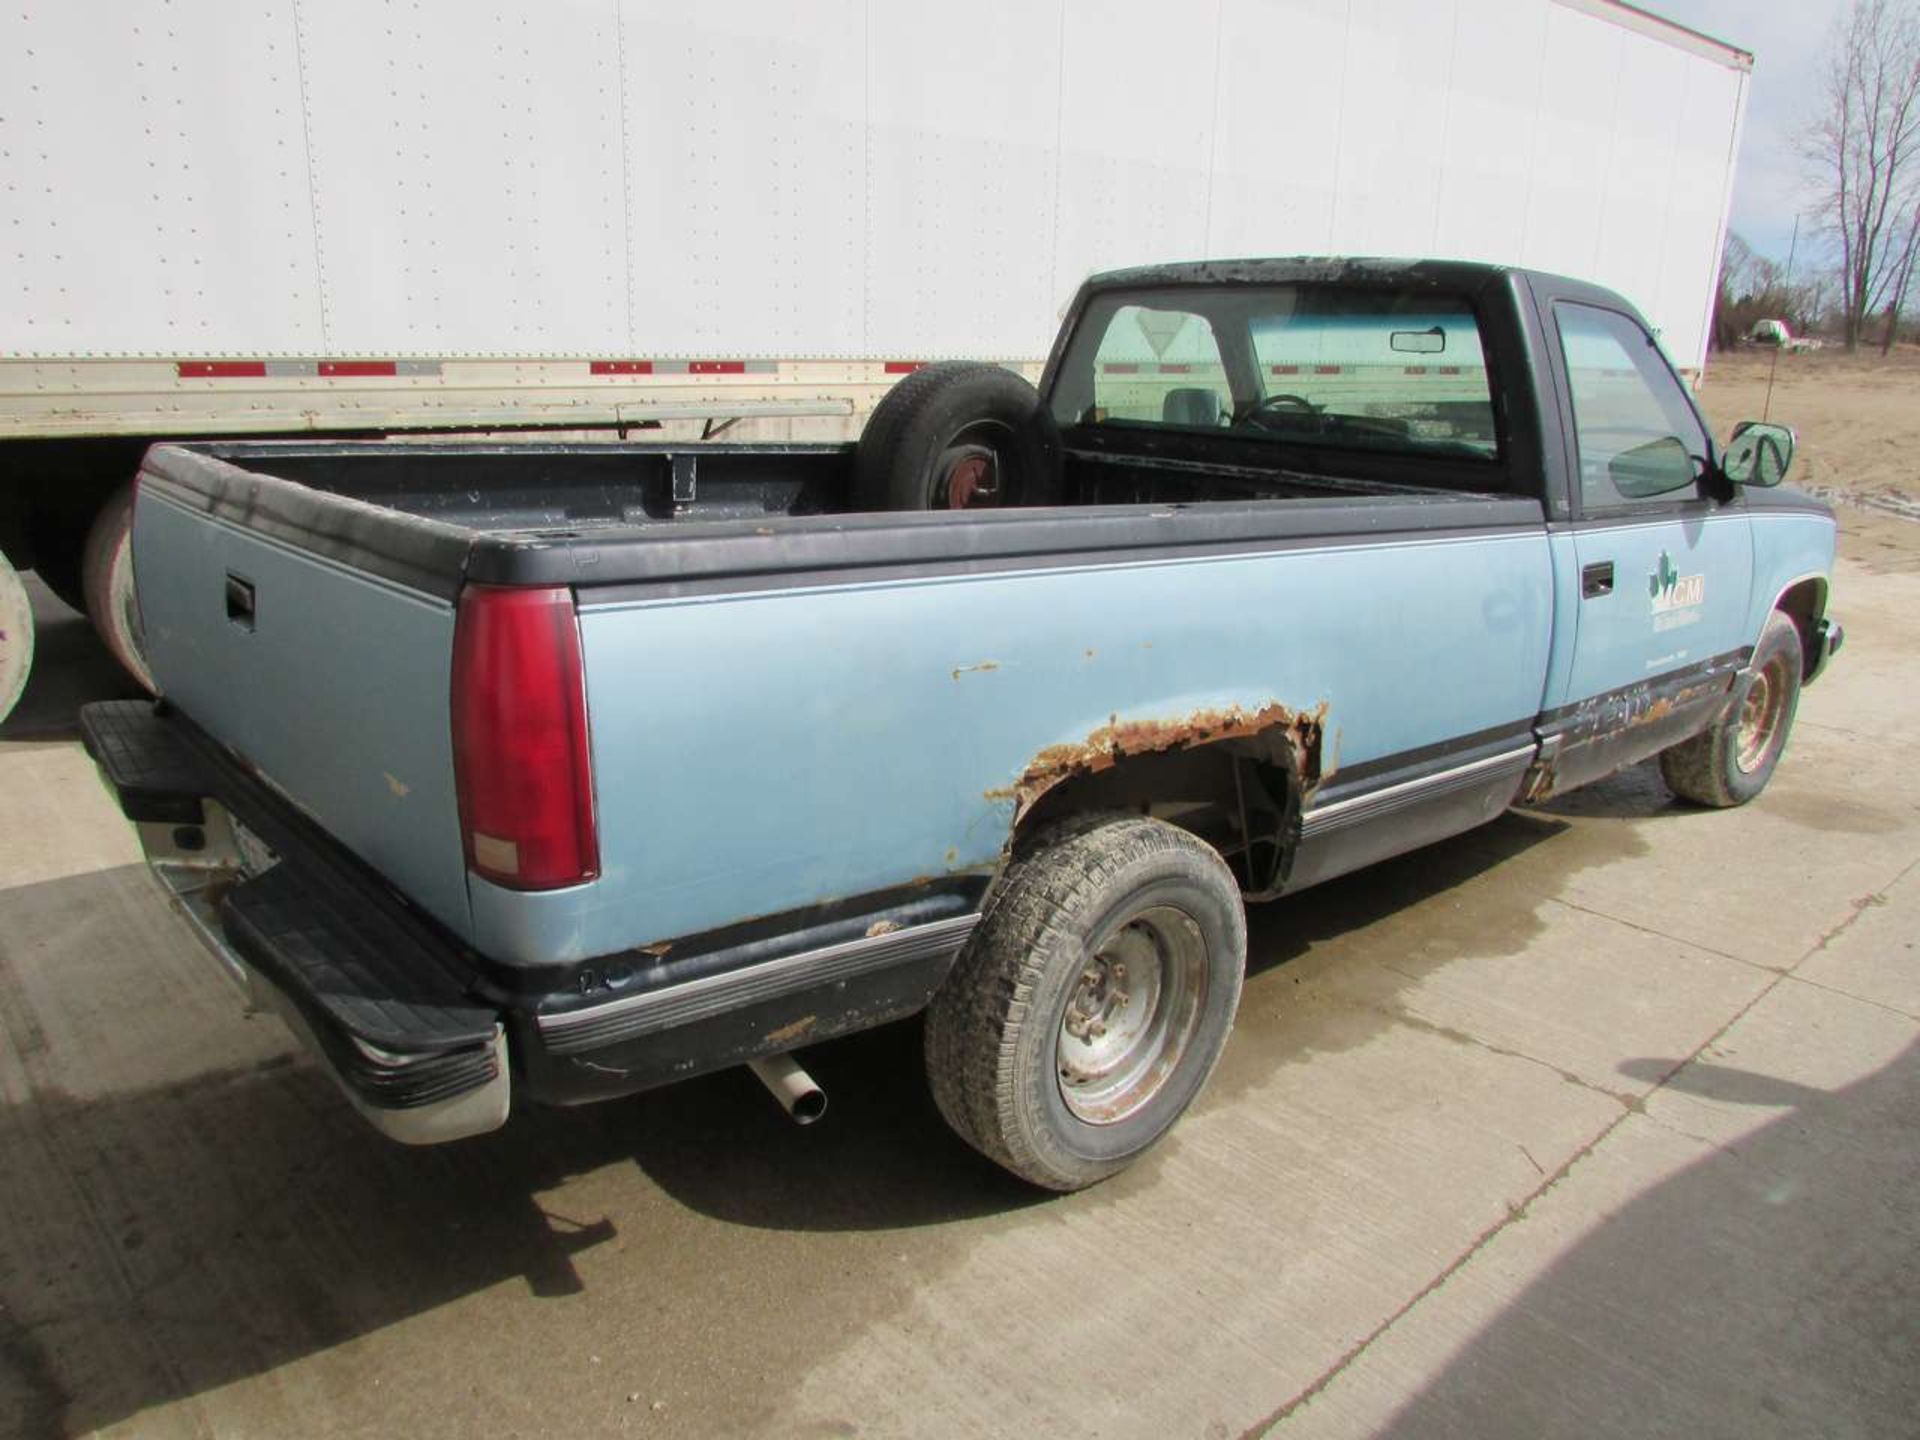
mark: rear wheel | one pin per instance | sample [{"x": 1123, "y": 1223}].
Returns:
[
  {"x": 1731, "y": 761},
  {"x": 16, "y": 637},
  {"x": 106, "y": 570},
  {"x": 1092, "y": 1002},
  {"x": 958, "y": 435}
]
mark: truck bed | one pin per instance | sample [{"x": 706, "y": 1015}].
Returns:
[
  {"x": 564, "y": 491},
  {"x": 336, "y": 689}
]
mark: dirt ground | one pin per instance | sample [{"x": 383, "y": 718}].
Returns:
[{"x": 1857, "y": 416}]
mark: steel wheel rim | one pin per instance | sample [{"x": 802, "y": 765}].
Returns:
[
  {"x": 1759, "y": 717},
  {"x": 1132, "y": 1015},
  {"x": 977, "y": 480}
]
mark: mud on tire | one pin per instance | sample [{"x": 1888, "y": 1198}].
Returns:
[
  {"x": 1093, "y": 1001},
  {"x": 1731, "y": 761}
]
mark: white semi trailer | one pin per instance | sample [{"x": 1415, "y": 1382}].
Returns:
[{"x": 285, "y": 217}]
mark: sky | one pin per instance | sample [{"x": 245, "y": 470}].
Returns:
[{"x": 1788, "y": 40}]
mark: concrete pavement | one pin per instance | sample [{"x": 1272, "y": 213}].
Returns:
[{"x": 1596, "y": 1122}]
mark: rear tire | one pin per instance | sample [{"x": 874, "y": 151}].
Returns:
[
  {"x": 1091, "y": 1004},
  {"x": 16, "y": 637},
  {"x": 106, "y": 570},
  {"x": 1730, "y": 762},
  {"x": 958, "y": 435}
]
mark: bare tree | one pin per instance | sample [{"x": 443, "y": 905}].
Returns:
[
  {"x": 1863, "y": 148},
  {"x": 1902, "y": 277}
]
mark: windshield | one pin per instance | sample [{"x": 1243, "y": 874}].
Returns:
[{"x": 1328, "y": 365}]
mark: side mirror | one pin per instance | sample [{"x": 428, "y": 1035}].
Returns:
[
  {"x": 1757, "y": 454},
  {"x": 1658, "y": 467}
]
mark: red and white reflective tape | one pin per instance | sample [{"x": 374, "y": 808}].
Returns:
[
  {"x": 684, "y": 367},
  {"x": 300, "y": 369},
  {"x": 1133, "y": 367}
]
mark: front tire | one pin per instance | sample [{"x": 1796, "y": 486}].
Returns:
[
  {"x": 1092, "y": 1002},
  {"x": 1730, "y": 762}
]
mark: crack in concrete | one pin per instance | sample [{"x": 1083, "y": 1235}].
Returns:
[
  {"x": 1516, "y": 1212},
  {"x": 1858, "y": 999},
  {"x": 1663, "y": 935},
  {"x": 1401, "y": 1016},
  {"x": 1865, "y": 903}
]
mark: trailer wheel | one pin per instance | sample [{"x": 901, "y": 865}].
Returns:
[
  {"x": 958, "y": 435},
  {"x": 1730, "y": 761},
  {"x": 16, "y": 636},
  {"x": 106, "y": 573},
  {"x": 1092, "y": 1002}
]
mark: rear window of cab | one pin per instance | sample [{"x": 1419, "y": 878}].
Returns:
[{"x": 1332, "y": 366}]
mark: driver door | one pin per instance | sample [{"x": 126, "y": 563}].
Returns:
[{"x": 1664, "y": 569}]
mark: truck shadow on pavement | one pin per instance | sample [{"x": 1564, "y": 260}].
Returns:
[{"x": 1770, "y": 1288}]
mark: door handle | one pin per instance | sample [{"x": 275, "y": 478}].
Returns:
[
  {"x": 1596, "y": 579},
  {"x": 240, "y": 601}
]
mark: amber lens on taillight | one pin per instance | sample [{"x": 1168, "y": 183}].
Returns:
[{"x": 520, "y": 756}]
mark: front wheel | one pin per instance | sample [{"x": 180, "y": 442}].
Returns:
[
  {"x": 1093, "y": 1001},
  {"x": 1731, "y": 761}
]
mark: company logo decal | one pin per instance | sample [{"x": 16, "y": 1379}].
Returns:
[{"x": 1676, "y": 598}]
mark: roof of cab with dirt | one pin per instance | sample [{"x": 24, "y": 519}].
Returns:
[{"x": 1468, "y": 276}]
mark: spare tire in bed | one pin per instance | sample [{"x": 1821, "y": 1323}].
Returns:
[{"x": 958, "y": 435}]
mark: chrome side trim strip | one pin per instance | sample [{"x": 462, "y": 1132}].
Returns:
[
  {"x": 1411, "y": 792},
  {"x": 650, "y": 1011}
]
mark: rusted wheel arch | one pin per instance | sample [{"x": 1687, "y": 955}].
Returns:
[{"x": 1242, "y": 779}]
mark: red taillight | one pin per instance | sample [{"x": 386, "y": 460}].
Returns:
[{"x": 520, "y": 757}]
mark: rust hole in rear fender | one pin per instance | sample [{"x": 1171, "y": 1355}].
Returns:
[{"x": 1301, "y": 731}]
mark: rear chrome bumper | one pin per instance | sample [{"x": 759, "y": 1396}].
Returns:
[{"x": 420, "y": 1060}]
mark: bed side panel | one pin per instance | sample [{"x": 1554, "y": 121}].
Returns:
[{"x": 761, "y": 751}]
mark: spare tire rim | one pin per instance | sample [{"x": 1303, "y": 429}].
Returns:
[
  {"x": 1760, "y": 713},
  {"x": 1131, "y": 1016},
  {"x": 971, "y": 472},
  {"x": 972, "y": 480}
]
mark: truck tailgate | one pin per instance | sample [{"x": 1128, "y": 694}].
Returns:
[{"x": 328, "y": 673}]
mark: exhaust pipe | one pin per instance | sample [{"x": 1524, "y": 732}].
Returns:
[{"x": 805, "y": 1101}]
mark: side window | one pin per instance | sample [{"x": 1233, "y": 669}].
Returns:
[
  {"x": 1636, "y": 434},
  {"x": 1162, "y": 367}
]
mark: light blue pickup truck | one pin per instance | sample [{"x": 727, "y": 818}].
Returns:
[{"x": 548, "y": 773}]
